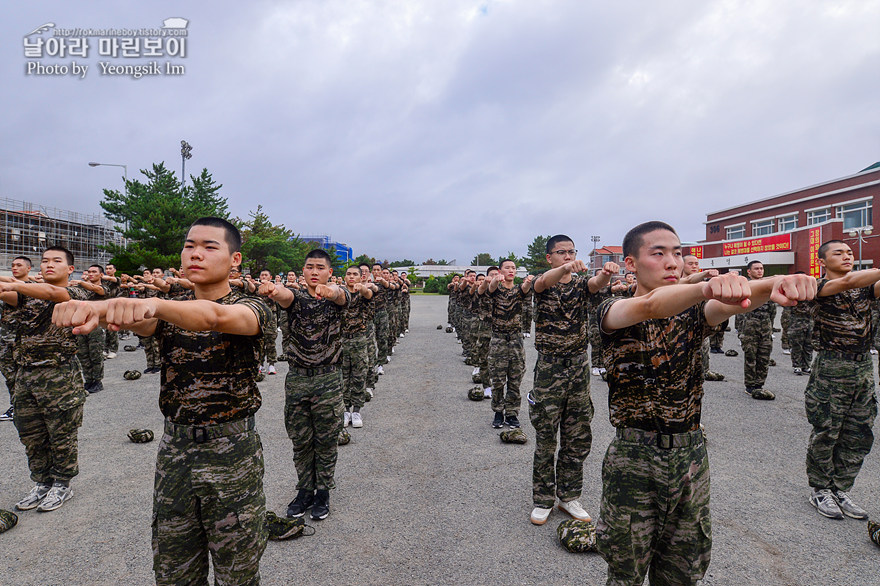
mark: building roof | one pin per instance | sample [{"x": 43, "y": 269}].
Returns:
[{"x": 609, "y": 250}]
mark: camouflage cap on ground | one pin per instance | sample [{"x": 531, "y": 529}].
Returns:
[
  {"x": 8, "y": 519},
  {"x": 577, "y": 536},
  {"x": 281, "y": 528},
  {"x": 131, "y": 374},
  {"x": 439, "y": 327},
  {"x": 476, "y": 394},
  {"x": 449, "y": 329},
  {"x": 873, "y": 531},
  {"x": 731, "y": 352},
  {"x": 129, "y": 348},
  {"x": 344, "y": 438},
  {"x": 513, "y": 436},
  {"x": 140, "y": 436}
]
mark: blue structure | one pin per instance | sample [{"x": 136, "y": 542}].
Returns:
[{"x": 342, "y": 250}]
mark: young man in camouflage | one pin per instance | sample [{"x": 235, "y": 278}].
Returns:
[
  {"x": 506, "y": 358},
  {"x": 800, "y": 334},
  {"x": 482, "y": 329},
  {"x": 21, "y": 268},
  {"x": 755, "y": 332},
  {"x": 691, "y": 274},
  {"x": 270, "y": 352},
  {"x": 208, "y": 499},
  {"x": 560, "y": 401},
  {"x": 840, "y": 401},
  {"x": 49, "y": 394},
  {"x": 380, "y": 318},
  {"x": 373, "y": 348},
  {"x": 654, "y": 518},
  {"x": 356, "y": 346},
  {"x": 90, "y": 347},
  {"x": 313, "y": 404}
]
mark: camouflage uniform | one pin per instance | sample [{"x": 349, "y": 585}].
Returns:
[
  {"x": 111, "y": 338},
  {"x": 90, "y": 352},
  {"x": 800, "y": 332},
  {"x": 506, "y": 360},
  {"x": 755, "y": 331},
  {"x": 593, "y": 325},
  {"x": 785, "y": 322},
  {"x": 560, "y": 399},
  {"x": 269, "y": 353},
  {"x": 654, "y": 518},
  {"x": 355, "y": 351},
  {"x": 151, "y": 345},
  {"x": 208, "y": 497},
  {"x": 482, "y": 332},
  {"x": 313, "y": 389},
  {"x": 380, "y": 320},
  {"x": 716, "y": 339},
  {"x": 527, "y": 311},
  {"x": 840, "y": 401},
  {"x": 7, "y": 346},
  {"x": 49, "y": 393}
]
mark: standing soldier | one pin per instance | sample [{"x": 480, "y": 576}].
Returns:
[
  {"x": 800, "y": 334},
  {"x": 113, "y": 285},
  {"x": 380, "y": 318},
  {"x": 560, "y": 402},
  {"x": 356, "y": 346},
  {"x": 90, "y": 347},
  {"x": 270, "y": 335},
  {"x": 21, "y": 268},
  {"x": 755, "y": 332},
  {"x": 208, "y": 499},
  {"x": 373, "y": 348},
  {"x": 527, "y": 313}
]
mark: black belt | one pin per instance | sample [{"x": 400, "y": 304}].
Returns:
[
  {"x": 660, "y": 440},
  {"x": 851, "y": 356},
  {"x": 564, "y": 360},
  {"x": 202, "y": 433},
  {"x": 313, "y": 371}
]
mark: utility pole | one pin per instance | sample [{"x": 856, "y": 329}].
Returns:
[{"x": 185, "y": 153}]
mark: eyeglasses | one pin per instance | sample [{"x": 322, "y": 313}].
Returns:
[{"x": 571, "y": 252}]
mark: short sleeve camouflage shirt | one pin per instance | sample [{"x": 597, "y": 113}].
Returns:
[
  {"x": 843, "y": 321},
  {"x": 356, "y": 315},
  {"x": 507, "y": 308},
  {"x": 39, "y": 341},
  {"x": 561, "y": 318},
  {"x": 210, "y": 377},
  {"x": 655, "y": 374},
  {"x": 315, "y": 329}
]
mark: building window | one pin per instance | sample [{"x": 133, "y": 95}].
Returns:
[
  {"x": 734, "y": 232},
  {"x": 762, "y": 228},
  {"x": 818, "y": 216},
  {"x": 855, "y": 215},
  {"x": 788, "y": 223}
]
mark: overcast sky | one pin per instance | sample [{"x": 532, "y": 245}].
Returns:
[{"x": 440, "y": 129}]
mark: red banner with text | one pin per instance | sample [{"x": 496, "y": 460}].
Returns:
[
  {"x": 755, "y": 245},
  {"x": 815, "y": 243}
]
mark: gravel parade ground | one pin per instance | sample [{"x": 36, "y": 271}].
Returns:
[{"x": 427, "y": 493}]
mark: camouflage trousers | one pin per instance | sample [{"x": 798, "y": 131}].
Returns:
[
  {"x": 285, "y": 331},
  {"x": 467, "y": 334},
  {"x": 90, "y": 352},
  {"x": 380, "y": 320},
  {"x": 705, "y": 353},
  {"x": 507, "y": 364},
  {"x": 756, "y": 341},
  {"x": 595, "y": 343},
  {"x": 355, "y": 366},
  {"x": 407, "y": 308},
  {"x": 313, "y": 418},
  {"x": 654, "y": 517},
  {"x": 111, "y": 341},
  {"x": 716, "y": 340},
  {"x": 841, "y": 407},
  {"x": 268, "y": 351},
  {"x": 48, "y": 404},
  {"x": 151, "y": 349},
  {"x": 800, "y": 334},
  {"x": 208, "y": 500},
  {"x": 560, "y": 403},
  {"x": 527, "y": 317},
  {"x": 482, "y": 337},
  {"x": 373, "y": 357},
  {"x": 785, "y": 323},
  {"x": 8, "y": 367}
]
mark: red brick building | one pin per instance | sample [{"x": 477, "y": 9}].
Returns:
[
  {"x": 603, "y": 254},
  {"x": 785, "y": 231}
]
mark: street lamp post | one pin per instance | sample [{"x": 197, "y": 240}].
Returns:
[
  {"x": 860, "y": 233},
  {"x": 185, "y": 153},
  {"x": 125, "y": 171},
  {"x": 595, "y": 240}
]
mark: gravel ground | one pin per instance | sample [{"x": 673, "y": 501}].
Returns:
[{"x": 427, "y": 494}]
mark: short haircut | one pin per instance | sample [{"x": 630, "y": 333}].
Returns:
[
  {"x": 492, "y": 268},
  {"x": 823, "y": 250},
  {"x": 754, "y": 262},
  {"x": 99, "y": 267},
  {"x": 233, "y": 236},
  {"x": 25, "y": 259},
  {"x": 66, "y": 252},
  {"x": 352, "y": 267},
  {"x": 364, "y": 264},
  {"x": 376, "y": 264},
  {"x": 636, "y": 236},
  {"x": 319, "y": 253},
  {"x": 556, "y": 240},
  {"x": 501, "y": 264},
  {"x": 469, "y": 271},
  {"x": 265, "y": 271}
]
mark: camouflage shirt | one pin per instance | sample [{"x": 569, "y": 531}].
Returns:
[
  {"x": 561, "y": 318},
  {"x": 8, "y": 325},
  {"x": 843, "y": 321},
  {"x": 356, "y": 316},
  {"x": 210, "y": 377},
  {"x": 39, "y": 342},
  {"x": 315, "y": 328},
  {"x": 380, "y": 298},
  {"x": 655, "y": 372},
  {"x": 507, "y": 308},
  {"x": 765, "y": 313}
]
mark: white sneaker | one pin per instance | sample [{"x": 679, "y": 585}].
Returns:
[
  {"x": 392, "y": 351},
  {"x": 272, "y": 369},
  {"x": 528, "y": 335},
  {"x": 111, "y": 355},
  {"x": 874, "y": 351},
  {"x": 356, "y": 420},
  {"x": 380, "y": 370},
  {"x": 487, "y": 392},
  {"x": 539, "y": 515},
  {"x": 388, "y": 358},
  {"x": 261, "y": 370},
  {"x": 574, "y": 509},
  {"x": 787, "y": 352},
  {"x": 401, "y": 335},
  {"x": 476, "y": 371},
  {"x": 602, "y": 371},
  {"x": 33, "y": 498},
  {"x": 594, "y": 371},
  {"x": 406, "y": 331},
  {"x": 57, "y": 496},
  {"x": 370, "y": 392},
  {"x": 346, "y": 419}
]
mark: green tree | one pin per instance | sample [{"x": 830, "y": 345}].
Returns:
[
  {"x": 154, "y": 216},
  {"x": 483, "y": 259},
  {"x": 431, "y": 261},
  {"x": 268, "y": 246},
  {"x": 535, "y": 260},
  {"x": 401, "y": 263}
]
